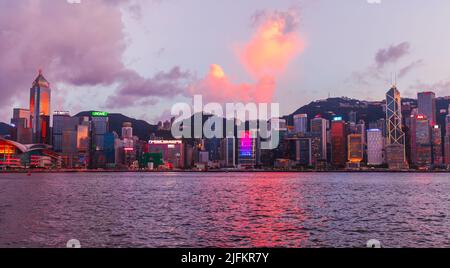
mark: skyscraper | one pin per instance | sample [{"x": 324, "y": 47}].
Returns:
[
  {"x": 338, "y": 143},
  {"x": 436, "y": 143},
  {"x": 447, "y": 150},
  {"x": 247, "y": 149},
  {"x": 447, "y": 124},
  {"x": 447, "y": 139},
  {"x": 40, "y": 94},
  {"x": 319, "y": 128},
  {"x": 395, "y": 147},
  {"x": 375, "y": 143},
  {"x": 228, "y": 150},
  {"x": 427, "y": 106},
  {"x": 61, "y": 122},
  {"x": 355, "y": 149},
  {"x": 421, "y": 141},
  {"x": 21, "y": 122},
  {"x": 300, "y": 123}
]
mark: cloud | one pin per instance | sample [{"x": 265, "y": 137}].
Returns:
[
  {"x": 265, "y": 56},
  {"x": 216, "y": 86},
  {"x": 137, "y": 90},
  {"x": 383, "y": 57},
  {"x": 275, "y": 43},
  {"x": 78, "y": 44},
  {"x": 441, "y": 88},
  {"x": 391, "y": 54},
  {"x": 410, "y": 67}
]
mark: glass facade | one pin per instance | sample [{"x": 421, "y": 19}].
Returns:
[{"x": 40, "y": 95}]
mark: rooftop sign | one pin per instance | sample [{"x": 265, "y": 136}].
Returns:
[{"x": 99, "y": 114}]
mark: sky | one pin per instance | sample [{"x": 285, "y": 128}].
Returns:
[{"x": 139, "y": 57}]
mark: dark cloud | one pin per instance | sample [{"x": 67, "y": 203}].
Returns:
[
  {"x": 290, "y": 17},
  {"x": 137, "y": 90},
  {"x": 377, "y": 71},
  {"x": 77, "y": 44}
]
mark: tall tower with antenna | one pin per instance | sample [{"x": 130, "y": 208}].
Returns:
[{"x": 395, "y": 147}]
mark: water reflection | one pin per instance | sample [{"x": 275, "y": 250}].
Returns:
[{"x": 224, "y": 209}]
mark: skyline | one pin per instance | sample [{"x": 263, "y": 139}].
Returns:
[{"x": 155, "y": 62}]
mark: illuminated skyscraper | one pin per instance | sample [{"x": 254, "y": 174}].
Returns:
[
  {"x": 247, "y": 149},
  {"x": 338, "y": 143},
  {"x": 395, "y": 147},
  {"x": 40, "y": 94},
  {"x": 355, "y": 149},
  {"x": 427, "y": 106}
]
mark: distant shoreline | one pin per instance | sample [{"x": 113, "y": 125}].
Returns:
[{"x": 217, "y": 171}]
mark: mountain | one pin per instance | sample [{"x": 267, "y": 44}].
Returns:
[
  {"x": 141, "y": 128},
  {"x": 329, "y": 108},
  {"x": 369, "y": 111}
]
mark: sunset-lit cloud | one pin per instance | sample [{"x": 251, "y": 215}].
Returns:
[
  {"x": 265, "y": 56},
  {"x": 216, "y": 86},
  {"x": 275, "y": 43}
]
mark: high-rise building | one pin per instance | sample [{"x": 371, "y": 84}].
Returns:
[
  {"x": 427, "y": 106},
  {"x": 447, "y": 139},
  {"x": 338, "y": 143},
  {"x": 447, "y": 149},
  {"x": 84, "y": 142},
  {"x": 395, "y": 140},
  {"x": 303, "y": 151},
  {"x": 447, "y": 124},
  {"x": 228, "y": 149},
  {"x": 352, "y": 117},
  {"x": 129, "y": 151},
  {"x": 127, "y": 131},
  {"x": 319, "y": 128},
  {"x": 247, "y": 149},
  {"x": 436, "y": 143},
  {"x": 355, "y": 150},
  {"x": 300, "y": 123},
  {"x": 62, "y": 121},
  {"x": 21, "y": 123},
  {"x": 375, "y": 144},
  {"x": 172, "y": 152},
  {"x": 100, "y": 127},
  {"x": 212, "y": 146},
  {"x": 421, "y": 141},
  {"x": 40, "y": 94}
]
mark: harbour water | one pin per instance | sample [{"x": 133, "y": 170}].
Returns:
[{"x": 225, "y": 209}]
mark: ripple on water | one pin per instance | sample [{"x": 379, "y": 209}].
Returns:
[{"x": 225, "y": 210}]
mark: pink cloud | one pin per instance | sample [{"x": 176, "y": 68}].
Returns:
[
  {"x": 275, "y": 43},
  {"x": 216, "y": 86}
]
